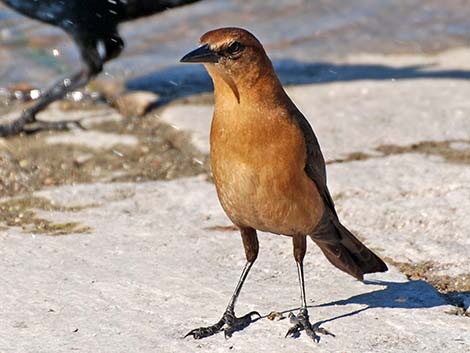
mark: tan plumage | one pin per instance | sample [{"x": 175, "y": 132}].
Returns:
[{"x": 268, "y": 168}]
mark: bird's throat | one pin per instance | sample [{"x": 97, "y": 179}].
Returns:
[{"x": 223, "y": 83}]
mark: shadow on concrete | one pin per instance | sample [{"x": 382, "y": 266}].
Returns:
[
  {"x": 184, "y": 79},
  {"x": 403, "y": 295}
]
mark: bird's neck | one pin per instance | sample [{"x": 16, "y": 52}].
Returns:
[{"x": 258, "y": 88}]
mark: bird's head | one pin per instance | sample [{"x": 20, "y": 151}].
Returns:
[{"x": 233, "y": 54}]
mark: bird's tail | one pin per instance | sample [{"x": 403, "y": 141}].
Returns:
[
  {"x": 140, "y": 8},
  {"x": 347, "y": 253}
]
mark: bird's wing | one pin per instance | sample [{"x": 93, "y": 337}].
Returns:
[
  {"x": 141, "y": 8},
  {"x": 315, "y": 164},
  {"x": 338, "y": 244}
]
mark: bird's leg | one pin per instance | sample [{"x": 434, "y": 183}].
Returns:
[
  {"x": 113, "y": 46},
  {"x": 229, "y": 320},
  {"x": 302, "y": 320},
  {"x": 57, "y": 91},
  {"x": 93, "y": 65},
  {"x": 94, "y": 61}
]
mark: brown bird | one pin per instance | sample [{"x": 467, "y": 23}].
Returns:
[{"x": 268, "y": 169}]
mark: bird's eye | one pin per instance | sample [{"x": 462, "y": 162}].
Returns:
[{"x": 234, "y": 48}]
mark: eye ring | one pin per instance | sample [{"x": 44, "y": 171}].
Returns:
[{"x": 234, "y": 48}]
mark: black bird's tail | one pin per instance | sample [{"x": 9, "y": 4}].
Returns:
[
  {"x": 346, "y": 252},
  {"x": 140, "y": 8}
]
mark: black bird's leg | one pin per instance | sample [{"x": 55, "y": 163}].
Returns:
[
  {"x": 113, "y": 46},
  {"x": 93, "y": 65},
  {"x": 302, "y": 321},
  {"x": 229, "y": 320}
]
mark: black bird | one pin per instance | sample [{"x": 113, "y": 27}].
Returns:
[{"x": 92, "y": 24}]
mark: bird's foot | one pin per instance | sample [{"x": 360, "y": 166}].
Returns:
[
  {"x": 62, "y": 125},
  {"x": 302, "y": 322},
  {"x": 229, "y": 323}
]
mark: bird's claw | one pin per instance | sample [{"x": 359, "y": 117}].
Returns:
[
  {"x": 203, "y": 332},
  {"x": 302, "y": 322},
  {"x": 229, "y": 324},
  {"x": 29, "y": 125},
  {"x": 63, "y": 125}
]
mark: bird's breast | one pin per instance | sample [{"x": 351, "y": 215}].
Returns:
[{"x": 258, "y": 169}]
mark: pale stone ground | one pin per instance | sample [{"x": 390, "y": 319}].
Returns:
[{"x": 151, "y": 269}]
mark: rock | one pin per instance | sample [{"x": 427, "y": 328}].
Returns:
[
  {"x": 111, "y": 89},
  {"x": 135, "y": 103}
]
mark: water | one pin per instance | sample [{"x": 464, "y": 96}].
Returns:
[{"x": 293, "y": 31}]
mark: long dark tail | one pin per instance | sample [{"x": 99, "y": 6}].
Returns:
[
  {"x": 346, "y": 252},
  {"x": 140, "y": 8}
]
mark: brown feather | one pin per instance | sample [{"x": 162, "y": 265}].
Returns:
[
  {"x": 343, "y": 249},
  {"x": 268, "y": 168}
]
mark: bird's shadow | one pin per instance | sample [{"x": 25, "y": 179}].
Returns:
[
  {"x": 183, "y": 80},
  {"x": 414, "y": 294}
]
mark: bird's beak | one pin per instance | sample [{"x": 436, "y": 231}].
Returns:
[{"x": 203, "y": 54}]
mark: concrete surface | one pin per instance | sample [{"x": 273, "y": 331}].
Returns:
[{"x": 152, "y": 268}]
